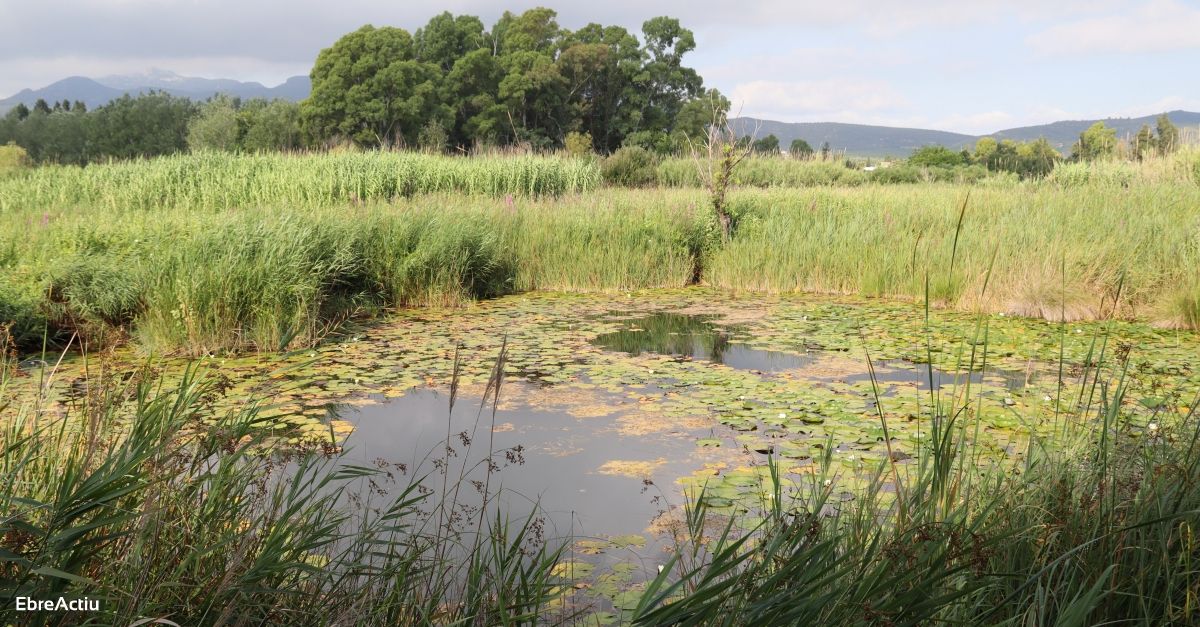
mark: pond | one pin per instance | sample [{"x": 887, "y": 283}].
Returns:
[{"x": 614, "y": 407}]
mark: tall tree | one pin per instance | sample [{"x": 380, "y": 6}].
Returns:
[
  {"x": 215, "y": 127},
  {"x": 370, "y": 88},
  {"x": 766, "y": 145},
  {"x": 1143, "y": 142},
  {"x": 800, "y": 149},
  {"x": 665, "y": 82},
  {"x": 1168, "y": 135}
]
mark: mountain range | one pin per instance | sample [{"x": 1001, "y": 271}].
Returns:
[
  {"x": 97, "y": 91},
  {"x": 880, "y": 141},
  {"x": 854, "y": 139}
]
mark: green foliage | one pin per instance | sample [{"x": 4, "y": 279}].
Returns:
[
  {"x": 215, "y": 127},
  {"x": 767, "y": 145},
  {"x": 526, "y": 81},
  {"x": 911, "y": 549},
  {"x": 148, "y": 125},
  {"x": 578, "y": 144},
  {"x": 1144, "y": 143},
  {"x": 369, "y": 87},
  {"x": 1167, "y": 141},
  {"x": 216, "y": 181},
  {"x": 1095, "y": 143},
  {"x": 152, "y": 503},
  {"x": 1103, "y": 173},
  {"x": 433, "y": 138},
  {"x": 630, "y": 166},
  {"x": 12, "y": 159},
  {"x": 269, "y": 126},
  {"x": 936, "y": 156},
  {"x": 1034, "y": 159},
  {"x": 800, "y": 149}
]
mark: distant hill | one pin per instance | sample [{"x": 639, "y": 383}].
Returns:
[
  {"x": 855, "y": 139},
  {"x": 97, "y": 91},
  {"x": 1063, "y": 134},
  {"x": 881, "y": 141}
]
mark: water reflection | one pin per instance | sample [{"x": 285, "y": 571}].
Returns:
[{"x": 696, "y": 337}]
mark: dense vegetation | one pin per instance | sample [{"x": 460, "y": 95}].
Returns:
[{"x": 210, "y": 252}]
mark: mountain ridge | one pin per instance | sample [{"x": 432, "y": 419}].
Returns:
[
  {"x": 95, "y": 92},
  {"x": 881, "y": 141}
]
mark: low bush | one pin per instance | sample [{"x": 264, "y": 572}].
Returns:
[{"x": 630, "y": 166}]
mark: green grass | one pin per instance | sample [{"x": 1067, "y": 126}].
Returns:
[
  {"x": 884, "y": 241},
  {"x": 1093, "y": 527}
]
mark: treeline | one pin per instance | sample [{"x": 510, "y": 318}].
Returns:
[
  {"x": 146, "y": 125},
  {"x": 453, "y": 85}
]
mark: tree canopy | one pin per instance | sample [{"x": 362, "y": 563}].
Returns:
[{"x": 527, "y": 80}]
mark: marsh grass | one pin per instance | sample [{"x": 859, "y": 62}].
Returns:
[
  {"x": 209, "y": 253},
  {"x": 133, "y": 499},
  {"x": 200, "y": 282},
  {"x": 883, "y": 241}
]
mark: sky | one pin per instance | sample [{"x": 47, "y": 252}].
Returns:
[{"x": 971, "y": 66}]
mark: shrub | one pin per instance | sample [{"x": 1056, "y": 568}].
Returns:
[
  {"x": 630, "y": 166},
  {"x": 578, "y": 144},
  {"x": 12, "y": 158},
  {"x": 897, "y": 174}
]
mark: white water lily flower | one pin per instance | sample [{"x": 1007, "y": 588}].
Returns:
[
  {"x": 782, "y": 415},
  {"x": 1152, "y": 426},
  {"x": 829, "y": 482},
  {"x": 1047, "y": 398}
]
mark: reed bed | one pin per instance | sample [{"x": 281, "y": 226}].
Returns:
[
  {"x": 1045, "y": 250},
  {"x": 210, "y": 253},
  {"x": 200, "y": 282},
  {"x": 219, "y": 181}
]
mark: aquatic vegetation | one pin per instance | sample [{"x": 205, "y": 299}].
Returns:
[{"x": 811, "y": 438}]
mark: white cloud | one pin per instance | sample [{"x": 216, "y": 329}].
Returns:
[
  {"x": 829, "y": 99},
  {"x": 810, "y": 62},
  {"x": 1154, "y": 26}
]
